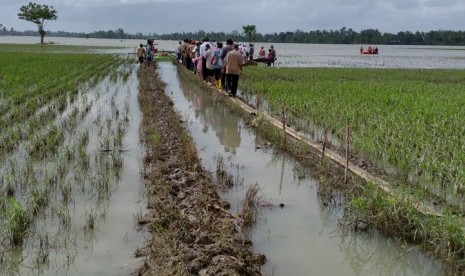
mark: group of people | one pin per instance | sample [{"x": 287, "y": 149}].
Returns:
[
  {"x": 146, "y": 53},
  {"x": 270, "y": 57},
  {"x": 216, "y": 64},
  {"x": 370, "y": 50}
]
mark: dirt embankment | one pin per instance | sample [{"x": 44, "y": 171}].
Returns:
[{"x": 192, "y": 233}]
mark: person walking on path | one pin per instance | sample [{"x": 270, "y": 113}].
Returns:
[
  {"x": 209, "y": 64},
  {"x": 226, "y": 49},
  {"x": 203, "y": 46},
  {"x": 218, "y": 64},
  {"x": 178, "y": 52},
  {"x": 149, "y": 52},
  {"x": 233, "y": 67},
  {"x": 141, "y": 53}
]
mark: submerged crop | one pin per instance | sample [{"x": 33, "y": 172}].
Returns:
[{"x": 407, "y": 119}]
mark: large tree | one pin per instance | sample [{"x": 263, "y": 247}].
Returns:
[
  {"x": 250, "y": 31},
  {"x": 38, "y": 14}
]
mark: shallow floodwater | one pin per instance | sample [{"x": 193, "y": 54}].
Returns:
[
  {"x": 89, "y": 226},
  {"x": 303, "y": 238},
  {"x": 301, "y": 55}
]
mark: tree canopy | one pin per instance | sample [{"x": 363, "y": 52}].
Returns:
[
  {"x": 250, "y": 31},
  {"x": 38, "y": 14}
]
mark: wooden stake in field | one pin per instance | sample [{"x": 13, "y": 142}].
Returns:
[
  {"x": 325, "y": 142},
  {"x": 257, "y": 103},
  {"x": 283, "y": 119},
  {"x": 347, "y": 152}
]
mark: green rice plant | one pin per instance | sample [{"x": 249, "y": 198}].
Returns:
[
  {"x": 406, "y": 122},
  {"x": 18, "y": 221},
  {"x": 395, "y": 215},
  {"x": 90, "y": 221},
  {"x": 64, "y": 217},
  {"x": 249, "y": 206}
]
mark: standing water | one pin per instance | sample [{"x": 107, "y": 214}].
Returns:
[
  {"x": 302, "y": 237},
  {"x": 90, "y": 190}
]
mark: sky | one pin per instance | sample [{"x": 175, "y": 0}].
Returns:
[{"x": 269, "y": 16}]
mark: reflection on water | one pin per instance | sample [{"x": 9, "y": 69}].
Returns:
[
  {"x": 93, "y": 188},
  {"x": 304, "y": 237},
  {"x": 209, "y": 115}
]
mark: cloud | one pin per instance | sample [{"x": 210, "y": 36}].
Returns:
[{"x": 166, "y": 16}]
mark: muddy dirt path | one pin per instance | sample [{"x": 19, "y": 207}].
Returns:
[{"x": 192, "y": 231}]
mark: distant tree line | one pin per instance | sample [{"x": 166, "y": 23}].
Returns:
[
  {"x": 342, "y": 36},
  {"x": 110, "y": 34}
]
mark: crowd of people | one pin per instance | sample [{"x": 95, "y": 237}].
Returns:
[{"x": 217, "y": 64}]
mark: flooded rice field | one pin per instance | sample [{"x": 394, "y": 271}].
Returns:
[
  {"x": 301, "y": 55},
  {"x": 298, "y": 229},
  {"x": 83, "y": 200}
]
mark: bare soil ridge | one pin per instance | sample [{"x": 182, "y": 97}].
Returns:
[{"x": 192, "y": 233}]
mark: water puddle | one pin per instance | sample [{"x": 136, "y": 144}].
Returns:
[
  {"x": 304, "y": 235},
  {"x": 82, "y": 199}
]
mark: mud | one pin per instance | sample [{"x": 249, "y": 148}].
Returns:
[{"x": 193, "y": 233}]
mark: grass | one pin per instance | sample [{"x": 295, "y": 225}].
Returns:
[
  {"x": 249, "y": 206},
  {"x": 406, "y": 119},
  {"x": 48, "y": 97},
  {"x": 18, "y": 221}
]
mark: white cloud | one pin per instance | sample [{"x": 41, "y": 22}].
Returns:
[{"x": 165, "y": 16}]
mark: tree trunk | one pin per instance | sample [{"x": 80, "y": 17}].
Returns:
[{"x": 40, "y": 26}]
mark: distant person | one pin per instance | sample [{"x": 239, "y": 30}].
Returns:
[
  {"x": 178, "y": 52},
  {"x": 361, "y": 49},
  {"x": 273, "y": 55},
  {"x": 184, "y": 52},
  {"x": 190, "y": 54},
  {"x": 243, "y": 50},
  {"x": 251, "y": 51},
  {"x": 209, "y": 64},
  {"x": 375, "y": 50},
  {"x": 203, "y": 46},
  {"x": 233, "y": 67},
  {"x": 269, "y": 58},
  {"x": 370, "y": 50},
  {"x": 262, "y": 52},
  {"x": 218, "y": 64},
  {"x": 141, "y": 53},
  {"x": 154, "y": 48},
  {"x": 226, "y": 49},
  {"x": 198, "y": 61},
  {"x": 149, "y": 52}
]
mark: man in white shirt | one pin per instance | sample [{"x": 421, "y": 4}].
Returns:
[{"x": 202, "y": 53}]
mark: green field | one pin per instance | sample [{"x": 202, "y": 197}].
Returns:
[
  {"x": 34, "y": 79},
  {"x": 410, "y": 120},
  {"x": 406, "y": 124},
  {"x": 47, "y": 95}
]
